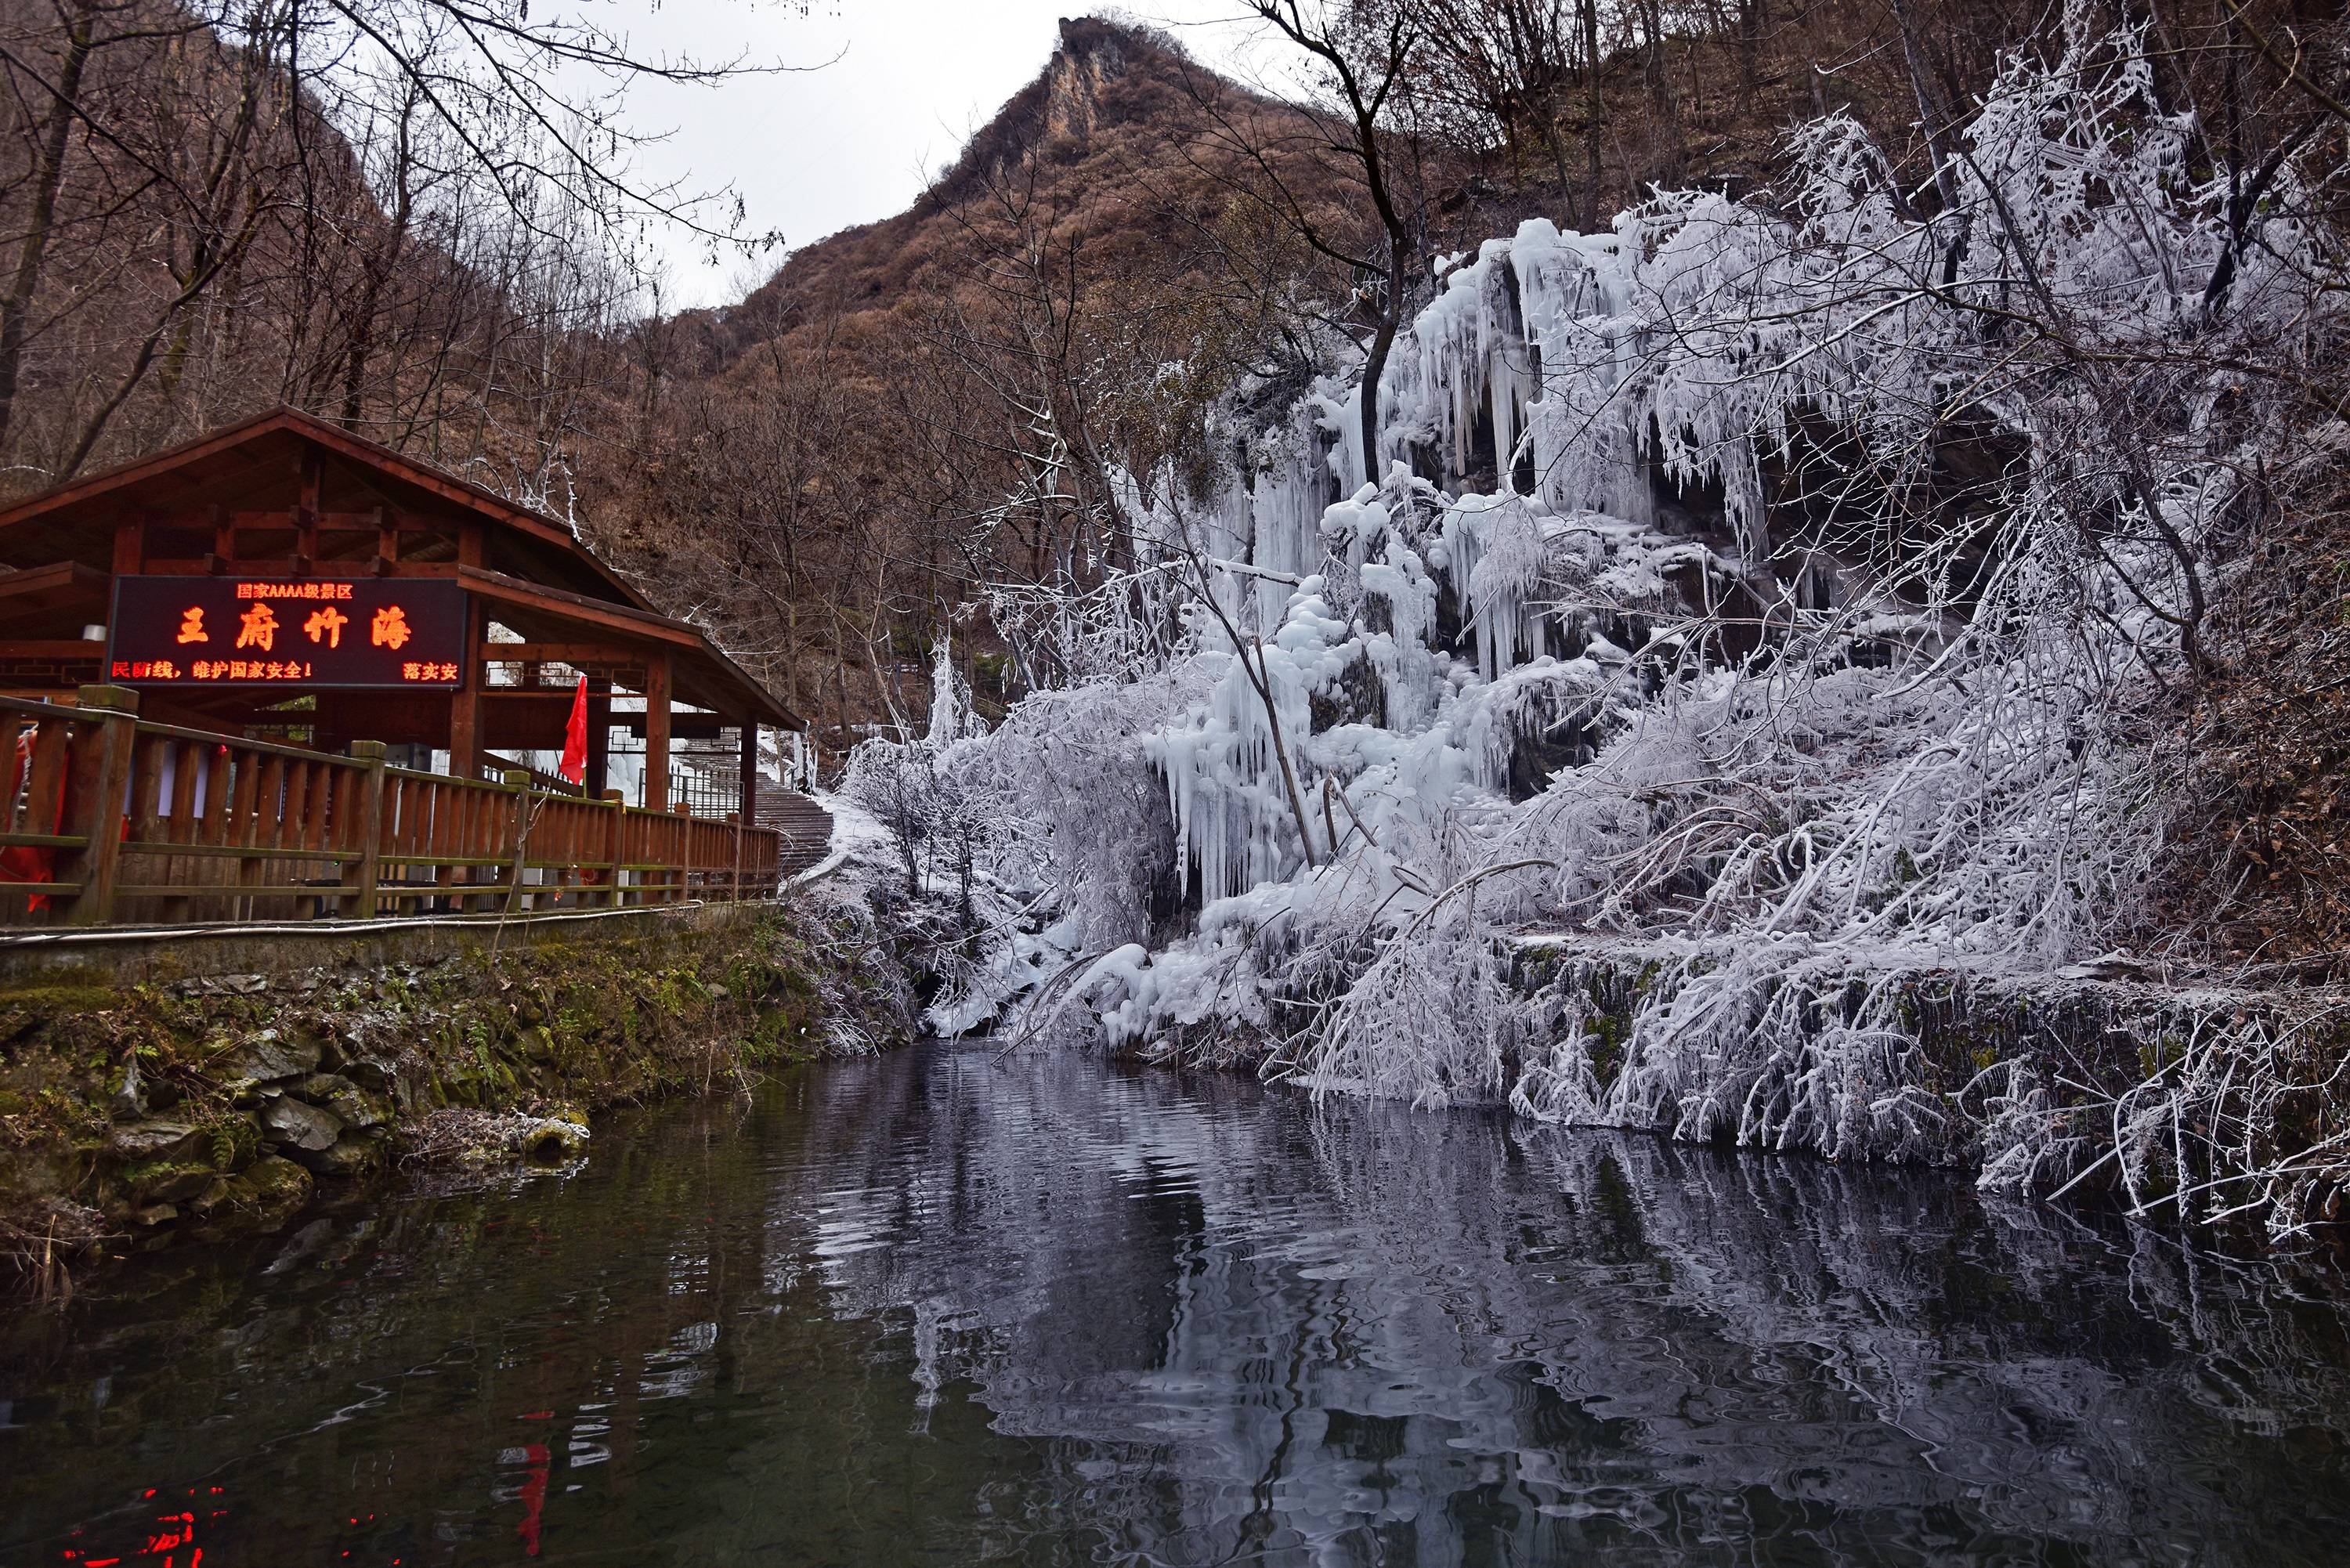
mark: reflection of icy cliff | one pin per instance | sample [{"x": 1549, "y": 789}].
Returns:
[{"x": 1305, "y": 1331}]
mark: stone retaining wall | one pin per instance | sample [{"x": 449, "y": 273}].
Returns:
[{"x": 139, "y": 1106}]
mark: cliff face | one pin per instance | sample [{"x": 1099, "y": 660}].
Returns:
[{"x": 1091, "y": 58}]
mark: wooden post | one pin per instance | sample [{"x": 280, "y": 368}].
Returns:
[
  {"x": 441, "y": 840},
  {"x": 748, "y": 797},
  {"x": 306, "y": 509},
  {"x": 482, "y": 824},
  {"x": 363, "y": 876},
  {"x": 747, "y": 812},
  {"x": 656, "y": 719},
  {"x": 129, "y": 546},
  {"x": 180, "y": 870},
  {"x": 465, "y": 706},
  {"x": 619, "y": 841},
  {"x": 465, "y": 703},
  {"x": 217, "y": 777},
  {"x": 107, "y": 767},
  {"x": 599, "y": 737},
  {"x": 246, "y": 813}
]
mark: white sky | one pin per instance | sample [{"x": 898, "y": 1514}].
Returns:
[{"x": 816, "y": 152}]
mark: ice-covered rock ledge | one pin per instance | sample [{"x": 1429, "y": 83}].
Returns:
[{"x": 2099, "y": 1076}]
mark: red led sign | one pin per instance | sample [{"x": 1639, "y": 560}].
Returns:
[{"x": 305, "y": 633}]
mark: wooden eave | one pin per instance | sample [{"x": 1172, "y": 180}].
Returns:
[
  {"x": 58, "y": 579},
  {"x": 699, "y": 671},
  {"x": 238, "y": 455}
]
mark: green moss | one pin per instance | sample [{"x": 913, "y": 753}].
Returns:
[
  {"x": 1610, "y": 1035},
  {"x": 148, "y": 1169},
  {"x": 63, "y": 990},
  {"x": 272, "y": 1191},
  {"x": 584, "y": 1023}
]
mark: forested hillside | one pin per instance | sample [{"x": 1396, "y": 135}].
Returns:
[
  {"x": 915, "y": 410},
  {"x": 386, "y": 214},
  {"x": 414, "y": 218}
]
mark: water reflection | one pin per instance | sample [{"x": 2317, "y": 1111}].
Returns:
[{"x": 943, "y": 1308}]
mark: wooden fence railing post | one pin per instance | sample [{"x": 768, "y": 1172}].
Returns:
[
  {"x": 614, "y": 899},
  {"x": 117, "y": 709},
  {"x": 518, "y": 834},
  {"x": 363, "y": 877}
]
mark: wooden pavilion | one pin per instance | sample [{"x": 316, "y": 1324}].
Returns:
[{"x": 285, "y": 577}]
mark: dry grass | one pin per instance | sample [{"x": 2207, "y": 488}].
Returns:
[
  {"x": 2258, "y": 875},
  {"x": 38, "y": 1255}
]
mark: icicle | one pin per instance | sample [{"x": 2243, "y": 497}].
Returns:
[
  {"x": 1407, "y": 668},
  {"x": 946, "y": 711}
]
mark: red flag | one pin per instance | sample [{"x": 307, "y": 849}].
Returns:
[
  {"x": 573, "y": 766},
  {"x": 17, "y": 861}
]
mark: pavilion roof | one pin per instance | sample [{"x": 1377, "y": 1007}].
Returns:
[{"x": 543, "y": 577}]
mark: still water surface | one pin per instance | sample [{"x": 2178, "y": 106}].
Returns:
[{"x": 935, "y": 1308}]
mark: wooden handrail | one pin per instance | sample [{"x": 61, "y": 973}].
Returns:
[
  {"x": 261, "y": 748},
  {"x": 110, "y": 817}
]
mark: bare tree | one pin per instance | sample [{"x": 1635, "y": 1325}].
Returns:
[
  {"x": 1362, "y": 132},
  {"x": 190, "y": 188}
]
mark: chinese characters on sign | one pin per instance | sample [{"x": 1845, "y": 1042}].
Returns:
[
  {"x": 372, "y": 632},
  {"x": 327, "y": 623}
]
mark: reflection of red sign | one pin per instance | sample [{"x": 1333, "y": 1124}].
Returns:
[
  {"x": 216, "y": 631},
  {"x": 170, "y": 1541}
]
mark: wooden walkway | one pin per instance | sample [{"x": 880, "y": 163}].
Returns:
[{"x": 804, "y": 827}]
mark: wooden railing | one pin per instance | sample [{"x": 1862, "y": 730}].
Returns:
[{"x": 113, "y": 819}]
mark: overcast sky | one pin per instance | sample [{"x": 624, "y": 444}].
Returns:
[{"x": 814, "y": 153}]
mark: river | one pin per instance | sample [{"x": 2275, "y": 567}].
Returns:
[{"x": 937, "y": 1307}]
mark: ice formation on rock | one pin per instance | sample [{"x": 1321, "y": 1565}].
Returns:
[{"x": 1658, "y": 615}]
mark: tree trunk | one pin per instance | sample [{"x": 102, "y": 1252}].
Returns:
[
  {"x": 1749, "y": 44},
  {"x": 1374, "y": 363},
  {"x": 48, "y": 175},
  {"x": 1594, "y": 111}
]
